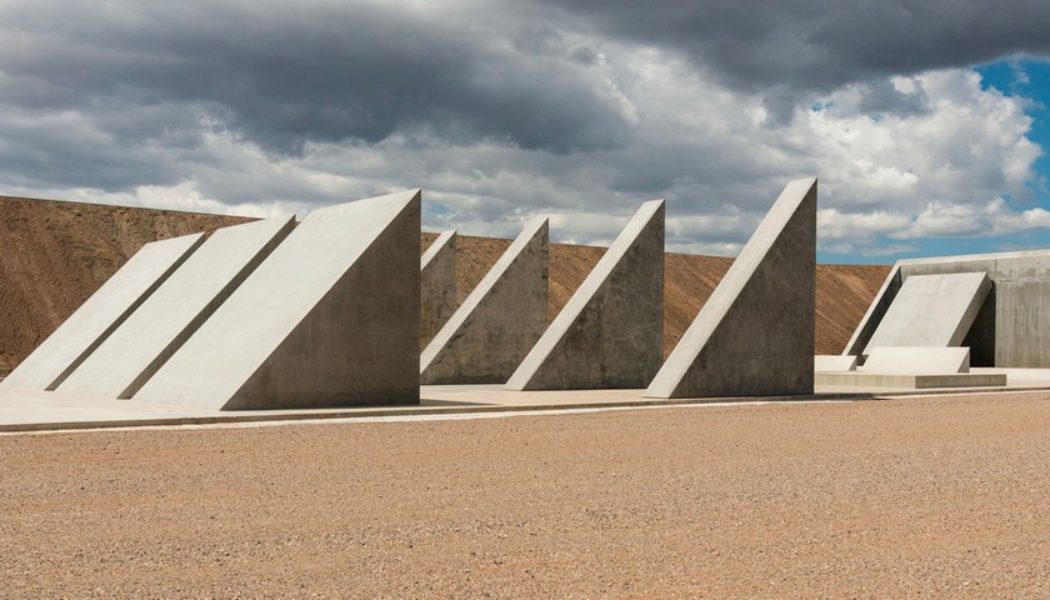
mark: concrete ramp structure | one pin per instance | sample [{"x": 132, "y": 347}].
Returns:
[
  {"x": 101, "y": 314},
  {"x": 610, "y": 332},
  {"x": 932, "y": 311},
  {"x": 138, "y": 348},
  {"x": 437, "y": 285},
  {"x": 754, "y": 335},
  {"x": 499, "y": 322},
  {"x": 329, "y": 319}
]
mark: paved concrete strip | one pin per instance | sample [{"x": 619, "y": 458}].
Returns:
[{"x": 100, "y": 315}]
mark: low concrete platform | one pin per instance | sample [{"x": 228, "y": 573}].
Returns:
[
  {"x": 27, "y": 410},
  {"x": 914, "y": 381}
]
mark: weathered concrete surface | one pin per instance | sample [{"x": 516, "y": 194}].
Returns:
[
  {"x": 499, "y": 322},
  {"x": 911, "y": 359},
  {"x": 149, "y": 337},
  {"x": 610, "y": 332},
  {"x": 932, "y": 311},
  {"x": 914, "y": 381},
  {"x": 833, "y": 363},
  {"x": 99, "y": 316},
  {"x": 876, "y": 311},
  {"x": 754, "y": 336},
  {"x": 437, "y": 285},
  {"x": 1012, "y": 329},
  {"x": 330, "y": 318}
]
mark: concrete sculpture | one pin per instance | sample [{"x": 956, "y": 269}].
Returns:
[
  {"x": 437, "y": 284},
  {"x": 492, "y": 331},
  {"x": 610, "y": 332},
  {"x": 1012, "y": 327},
  {"x": 134, "y": 352},
  {"x": 100, "y": 315},
  {"x": 330, "y": 318},
  {"x": 754, "y": 335},
  {"x": 932, "y": 311}
]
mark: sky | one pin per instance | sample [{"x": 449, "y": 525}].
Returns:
[{"x": 926, "y": 122}]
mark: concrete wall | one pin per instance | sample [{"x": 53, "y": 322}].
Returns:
[
  {"x": 100, "y": 315},
  {"x": 330, "y": 318},
  {"x": 754, "y": 335},
  {"x": 1012, "y": 329},
  {"x": 149, "y": 337},
  {"x": 437, "y": 285},
  {"x": 499, "y": 322},
  {"x": 610, "y": 333}
]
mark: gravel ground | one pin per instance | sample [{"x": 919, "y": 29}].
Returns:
[{"x": 936, "y": 497}]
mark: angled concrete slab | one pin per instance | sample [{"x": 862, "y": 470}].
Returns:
[
  {"x": 134, "y": 352},
  {"x": 912, "y": 359},
  {"x": 754, "y": 335},
  {"x": 100, "y": 315},
  {"x": 932, "y": 311},
  {"x": 499, "y": 322},
  {"x": 437, "y": 285},
  {"x": 610, "y": 332},
  {"x": 330, "y": 318}
]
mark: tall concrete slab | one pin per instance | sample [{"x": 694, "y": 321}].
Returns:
[
  {"x": 754, "y": 336},
  {"x": 932, "y": 311},
  {"x": 100, "y": 315},
  {"x": 134, "y": 352},
  {"x": 610, "y": 332},
  {"x": 437, "y": 284},
  {"x": 499, "y": 322},
  {"x": 330, "y": 318}
]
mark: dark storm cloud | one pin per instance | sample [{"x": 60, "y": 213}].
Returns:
[
  {"x": 789, "y": 49},
  {"x": 283, "y": 75}
]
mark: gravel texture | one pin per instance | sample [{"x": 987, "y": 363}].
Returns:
[{"x": 922, "y": 497}]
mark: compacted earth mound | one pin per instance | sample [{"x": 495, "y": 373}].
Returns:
[{"x": 56, "y": 254}]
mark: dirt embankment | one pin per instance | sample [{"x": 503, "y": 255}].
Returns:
[{"x": 53, "y": 255}]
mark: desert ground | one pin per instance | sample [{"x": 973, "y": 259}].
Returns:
[{"x": 919, "y": 497}]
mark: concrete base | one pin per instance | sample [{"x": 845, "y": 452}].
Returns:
[
  {"x": 834, "y": 363},
  {"x": 918, "y": 360},
  {"x": 910, "y": 380}
]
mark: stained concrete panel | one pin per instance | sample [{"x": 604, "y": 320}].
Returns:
[
  {"x": 437, "y": 272},
  {"x": 913, "y": 359},
  {"x": 932, "y": 311},
  {"x": 100, "y": 315},
  {"x": 834, "y": 362},
  {"x": 499, "y": 322},
  {"x": 754, "y": 335},
  {"x": 134, "y": 352},
  {"x": 1012, "y": 329},
  {"x": 610, "y": 332},
  {"x": 330, "y": 318}
]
